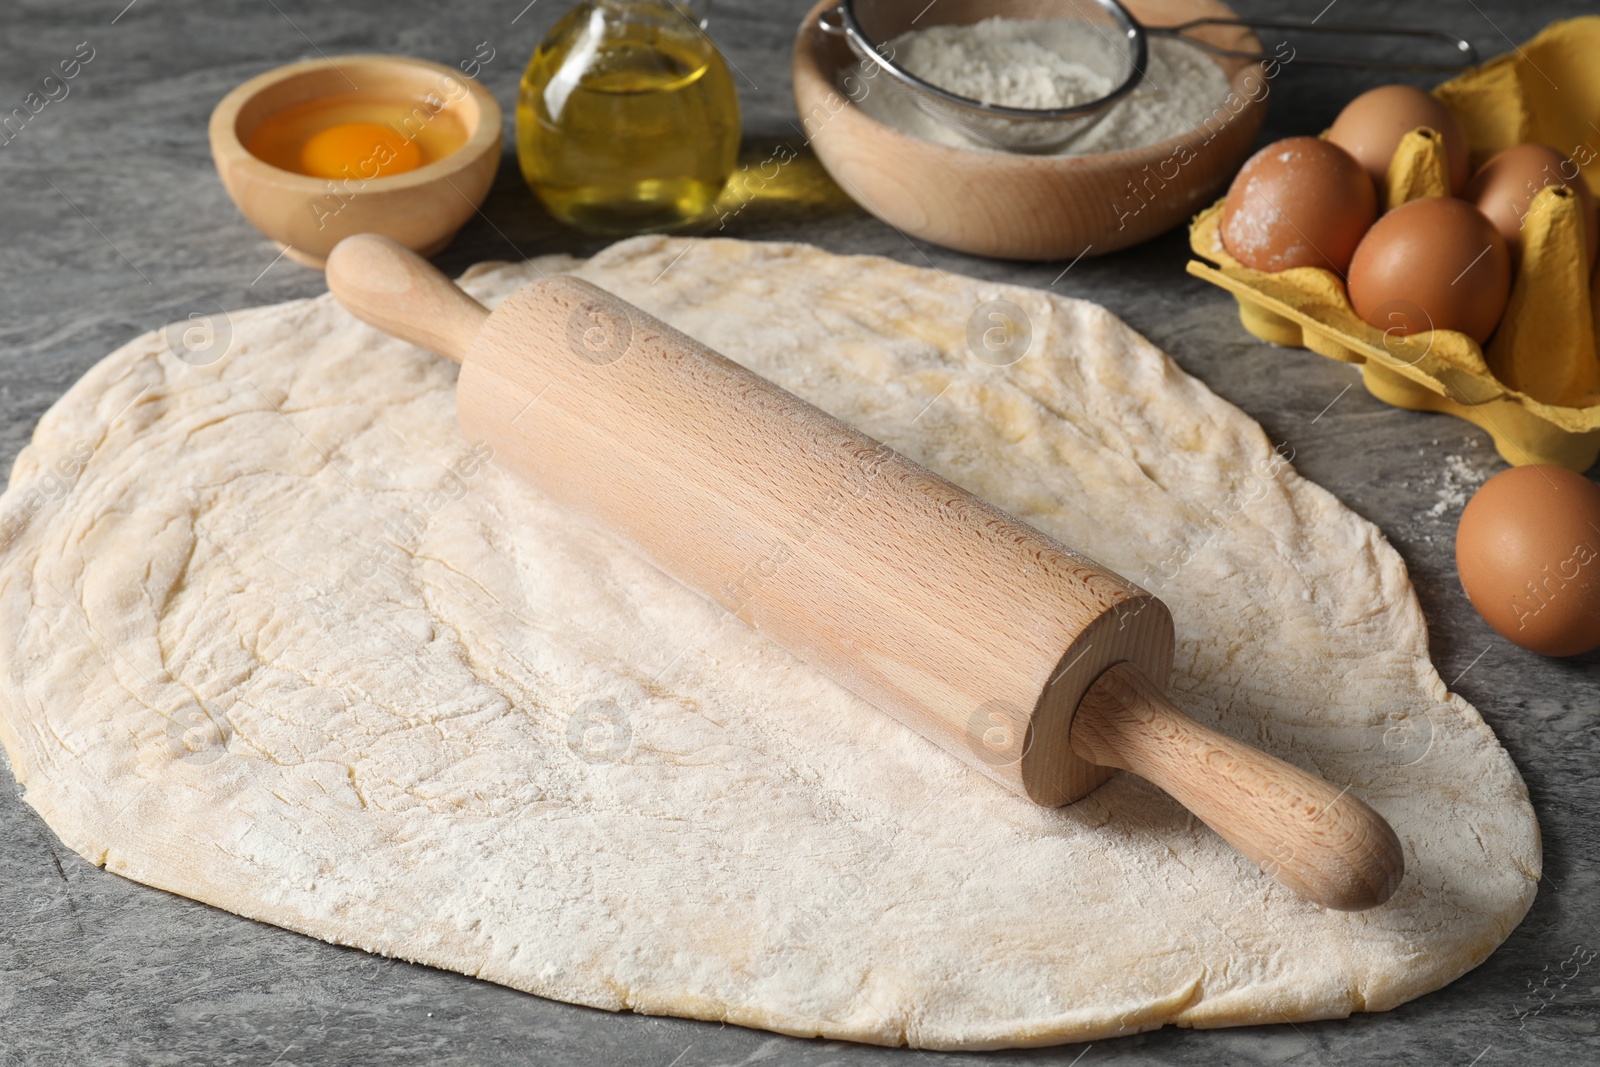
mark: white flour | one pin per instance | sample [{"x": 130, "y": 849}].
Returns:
[
  {"x": 1459, "y": 480},
  {"x": 1005, "y": 61},
  {"x": 999, "y": 61}
]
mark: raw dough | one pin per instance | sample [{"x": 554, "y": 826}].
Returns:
[{"x": 276, "y": 637}]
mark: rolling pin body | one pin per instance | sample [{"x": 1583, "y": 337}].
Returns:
[{"x": 976, "y": 630}]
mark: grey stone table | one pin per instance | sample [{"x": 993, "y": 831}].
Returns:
[{"x": 113, "y": 223}]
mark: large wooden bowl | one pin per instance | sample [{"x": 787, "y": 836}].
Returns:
[
  {"x": 422, "y": 208},
  {"x": 1029, "y": 207}
]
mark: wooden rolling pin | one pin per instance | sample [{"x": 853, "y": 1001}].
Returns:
[{"x": 1031, "y": 663}]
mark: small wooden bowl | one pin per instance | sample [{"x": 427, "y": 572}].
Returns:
[
  {"x": 1029, "y": 207},
  {"x": 422, "y": 209}
]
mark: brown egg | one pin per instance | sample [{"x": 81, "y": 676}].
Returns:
[
  {"x": 1432, "y": 264},
  {"x": 1370, "y": 128},
  {"x": 1301, "y": 202},
  {"x": 1528, "y": 552},
  {"x": 1504, "y": 188}
]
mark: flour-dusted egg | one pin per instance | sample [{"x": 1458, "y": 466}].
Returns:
[
  {"x": 1372, "y": 125},
  {"x": 1432, "y": 264},
  {"x": 1301, "y": 202},
  {"x": 1528, "y": 552},
  {"x": 1504, "y": 188}
]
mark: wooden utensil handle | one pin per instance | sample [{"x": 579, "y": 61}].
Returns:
[
  {"x": 386, "y": 285},
  {"x": 1320, "y": 841}
]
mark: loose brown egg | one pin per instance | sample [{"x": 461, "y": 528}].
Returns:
[
  {"x": 1503, "y": 189},
  {"x": 1432, "y": 264},
  {"x": 1371, "y": 126},
  {"x": 1301, "y": 202},
  {"x": 1528, "y": 552}
]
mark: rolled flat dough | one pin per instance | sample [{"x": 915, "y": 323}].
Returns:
[{"x": 277, "y": 638}]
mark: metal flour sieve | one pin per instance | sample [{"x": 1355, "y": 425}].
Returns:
[{"x": 1116, "y": 48}]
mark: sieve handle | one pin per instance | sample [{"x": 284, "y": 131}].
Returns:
[{"x": 1467, "y": 55}]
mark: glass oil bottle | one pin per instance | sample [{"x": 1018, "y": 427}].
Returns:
[{"x": 627, "y": 118}]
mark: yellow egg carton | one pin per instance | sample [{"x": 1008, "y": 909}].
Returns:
[{"x": 1536, "y": 390}]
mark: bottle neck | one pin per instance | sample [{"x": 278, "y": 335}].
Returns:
[{"x": 696, "y": 12}]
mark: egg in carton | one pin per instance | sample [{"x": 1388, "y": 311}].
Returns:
[{"x": 1536, "y": 387}]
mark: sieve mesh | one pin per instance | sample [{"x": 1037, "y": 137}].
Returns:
[{"x": 1112, "y": 46}]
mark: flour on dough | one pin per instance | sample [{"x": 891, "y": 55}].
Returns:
[{"x": 276, "y": 637}]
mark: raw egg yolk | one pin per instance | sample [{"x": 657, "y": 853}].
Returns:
[{"x": 363, "y": 150}]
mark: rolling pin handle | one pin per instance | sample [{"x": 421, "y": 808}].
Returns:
[
  {"x": 1319, "y": 841},
  {"x": 385, "y": 284}
]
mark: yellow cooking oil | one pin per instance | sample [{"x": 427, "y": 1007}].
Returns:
[
  {"x": 627, "y": 119},
  {"x": 356, "y": 136}
]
